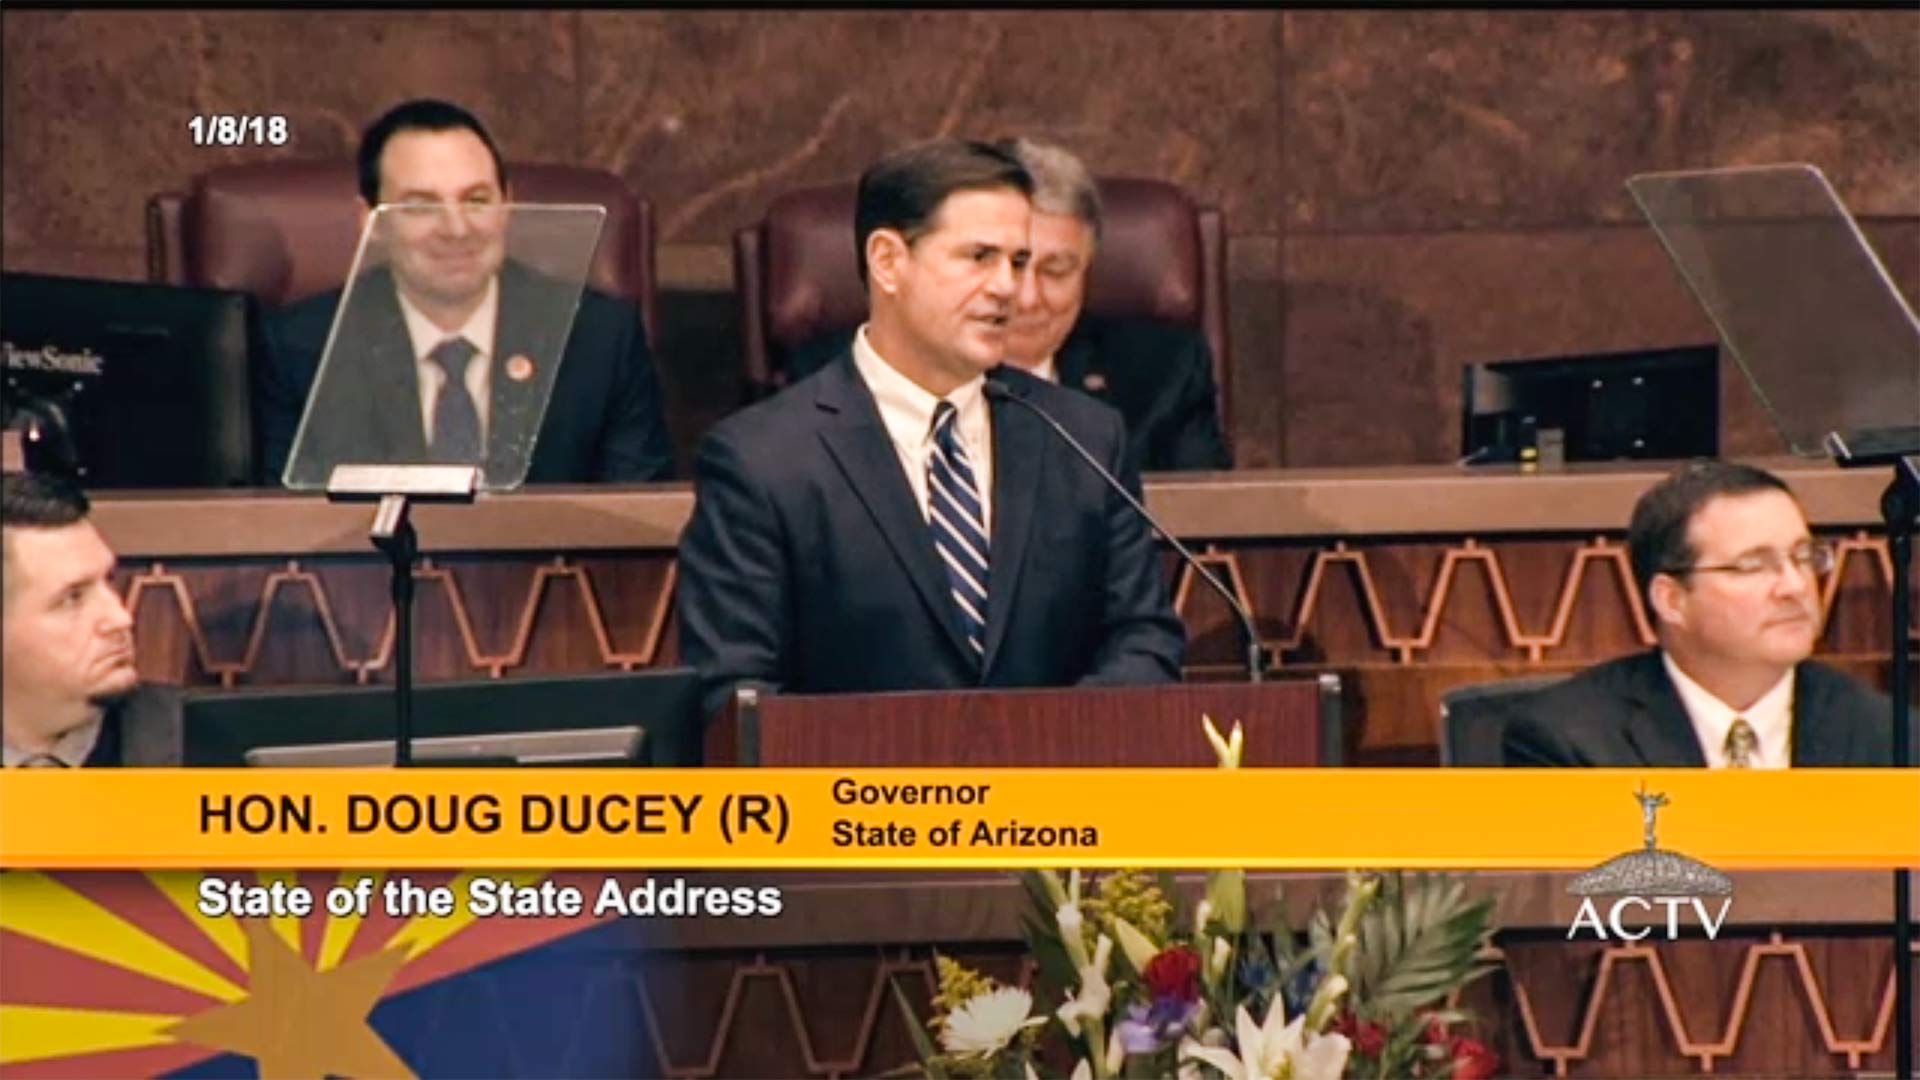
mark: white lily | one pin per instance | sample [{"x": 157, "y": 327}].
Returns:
[
  {"x": 1275, "y": 1050},
  {"x": 1091, "y": 1002},
  {"x": 1227, "y": 898},
  {"x": 1325, "y": 1000},
  {"x": 1139, "y": 949},
  {"x": 1227, "y": 749},
  {"x": 1222, "y": 956},
  {"x": 1116, "y": 1051},
  {"x": 986, "y": 1023},
  {"x": 1070, "y": 921},
  {"x": 1050, "y": 883}
]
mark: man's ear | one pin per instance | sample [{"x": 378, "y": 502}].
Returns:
[
  {"x": 1669, "y": 599},
  {"x": 886, "y": 256}
]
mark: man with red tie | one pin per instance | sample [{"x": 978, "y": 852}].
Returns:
[{"x": 448, "y": 358}]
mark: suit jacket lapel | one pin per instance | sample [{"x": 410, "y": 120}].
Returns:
[
  {"x": 1816, "y": 742},
  {"x": 1077, "y": 362},
  {"x": 514, "y": 390},
  {"x": 858, "y": 443},
  {"x": 1658, "y": 726},
  {"x": 1019, "y": 445},
  {"x": 392, "y": 382}
]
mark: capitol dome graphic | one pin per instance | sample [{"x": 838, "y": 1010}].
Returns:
[{"x": 1651, "y": 871}]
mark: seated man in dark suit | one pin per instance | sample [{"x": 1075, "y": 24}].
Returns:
[
  {"x": 885, "y": 524},
  {"x": 444, "y": 372},
  {"x": 1730, "y": 574},
  {"x": 69, "y": 693},
  {"x": 1159, "y": 374}
]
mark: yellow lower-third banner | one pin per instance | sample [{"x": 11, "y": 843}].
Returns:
[{"x": 981, "y": 818}]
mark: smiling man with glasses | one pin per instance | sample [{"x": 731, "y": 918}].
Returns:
[{"x": 1731, "y": 578}]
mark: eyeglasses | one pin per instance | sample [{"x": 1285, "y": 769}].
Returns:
[{"x": 1816, "y": 559}]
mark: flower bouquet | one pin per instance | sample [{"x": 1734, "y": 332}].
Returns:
[{"x": 1140, "y": 989}]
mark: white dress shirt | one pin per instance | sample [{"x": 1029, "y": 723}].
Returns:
[
  {"x": 1771, "y": 718},
  {"x": 426, "y": 336},
  {"x": 906, "y": 408},
  {"x": 1046, "y": 369}
]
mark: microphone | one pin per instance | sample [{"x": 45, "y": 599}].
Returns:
[{"x": 1250, "y": 641}]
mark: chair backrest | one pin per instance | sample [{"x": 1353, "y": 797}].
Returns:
[
  {"x": 1161, "y": 256},
  {"x": 1473, "y": 718},
  {"x": 285, "y": 230}
]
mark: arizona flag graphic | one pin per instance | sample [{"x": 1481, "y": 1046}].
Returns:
[{"x": 117, "y": 974}]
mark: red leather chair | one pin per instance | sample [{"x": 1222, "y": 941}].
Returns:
[
  {"x": 1160, "y": 256},
  {"x": 286, "y": 230}
]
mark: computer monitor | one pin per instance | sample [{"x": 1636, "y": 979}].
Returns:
[
  {"x": 642, "y": 717},
  {"x": 1648, "y": 404},
  {"x": 133, "y": 385}
]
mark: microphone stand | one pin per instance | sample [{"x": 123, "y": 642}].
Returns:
[{"x": 1253, "y": 654}]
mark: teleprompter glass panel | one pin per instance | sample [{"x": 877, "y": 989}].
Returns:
[
  {"x": 447, "y": 339},
  {"x": 1801, "y": 300}
]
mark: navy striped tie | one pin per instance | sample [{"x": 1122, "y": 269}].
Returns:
[{"x": 959, "y": 525}]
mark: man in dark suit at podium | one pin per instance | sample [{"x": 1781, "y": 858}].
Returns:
[
  {"x": 1158, "y": 374},
  {"x": 1730, "y": 573},
  {"x": 884, "y": 524},
  {"x": 69, "y": 691},
  {"x": 448, "y": 363}
]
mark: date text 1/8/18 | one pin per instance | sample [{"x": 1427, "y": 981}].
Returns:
[{"x": 226, "y": 129}]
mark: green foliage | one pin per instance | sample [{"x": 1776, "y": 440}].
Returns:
[
  {"x": 1420, "y": 942},
  {"x": 1402, "y": 944},
  {"x": 930, "y": 1059},
  {"x": 1409, "y": 1054}
]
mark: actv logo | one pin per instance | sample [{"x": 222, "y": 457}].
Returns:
[{"x": 1641, "y": 881}]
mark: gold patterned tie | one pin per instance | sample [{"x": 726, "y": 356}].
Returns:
[{"x": 1743, "y": 745}]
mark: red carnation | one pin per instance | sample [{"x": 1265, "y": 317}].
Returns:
[
  {"x": 1369, "y": 1037},
  {"x": 1472, "y": 1059},
  {"x": 1174, "y": 972}
]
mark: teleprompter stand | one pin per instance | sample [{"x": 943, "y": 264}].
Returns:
[
  {"x": 395, "y": 488},
  {"x": 353, "y": 441},
  {"x": 1900, "y": 507},
  {"x": 1832, "y": 350}
]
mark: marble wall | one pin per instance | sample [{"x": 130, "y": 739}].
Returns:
[{"x": 1406, "y": 192}]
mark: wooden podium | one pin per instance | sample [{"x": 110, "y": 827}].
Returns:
[{"x": 1288, "y": 722}]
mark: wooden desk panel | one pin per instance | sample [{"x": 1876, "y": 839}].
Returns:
[
  {"x": 1245, "y": 504},
  {"x": 1403, "y": 581}
]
